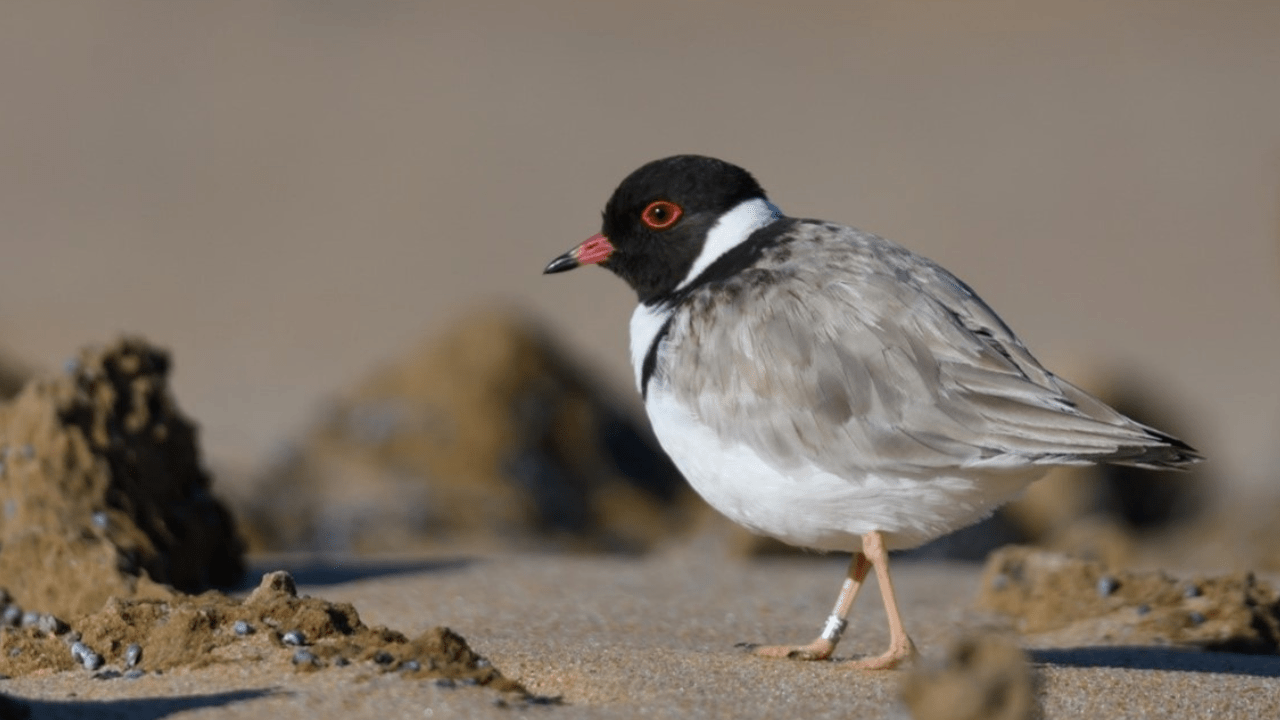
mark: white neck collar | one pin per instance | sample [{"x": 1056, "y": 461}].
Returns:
[{"x": 733, "y": 229}]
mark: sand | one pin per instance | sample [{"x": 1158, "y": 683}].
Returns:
[{"x": 616, "y": 637}]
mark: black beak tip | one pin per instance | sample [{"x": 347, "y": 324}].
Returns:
[{"x": 565, "y": 262}]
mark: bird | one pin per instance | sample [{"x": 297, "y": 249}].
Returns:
[{"x": 827, "y": 387}]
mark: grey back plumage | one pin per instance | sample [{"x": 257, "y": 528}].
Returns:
[{"x": 843, "y": 349}]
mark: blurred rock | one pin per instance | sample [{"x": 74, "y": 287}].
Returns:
[
  {"x": 485, "y": 437},
  {"x": 101, "y": 489},
  {"x": 983, "y": 678},
  {"x": 13, "y": 375},
  {"x": 1082, "y": 602}
]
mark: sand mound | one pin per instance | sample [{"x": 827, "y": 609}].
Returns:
[
  {"x": 985, "y": 677},
  {"x": 1084, "y": 603},
  {"x": 272, "y": 625},
  {"x": 487, "y": 436},
  {"x": 102, "y": 490}
]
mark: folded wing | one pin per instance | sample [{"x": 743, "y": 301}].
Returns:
[{"x": 892, "y": 365}]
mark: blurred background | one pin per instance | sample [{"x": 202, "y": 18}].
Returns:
[{"x": 288, "y": 194}]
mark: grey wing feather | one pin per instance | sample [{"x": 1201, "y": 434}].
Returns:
[{"x": 892, "y": 365}]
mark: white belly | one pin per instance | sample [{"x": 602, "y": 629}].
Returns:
[{"x": 812, "y": 508}]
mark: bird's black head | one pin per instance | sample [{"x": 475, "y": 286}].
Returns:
[{"x": 657, "y": 221}]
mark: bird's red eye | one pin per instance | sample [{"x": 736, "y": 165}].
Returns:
[{"x": 661, "y": 214}]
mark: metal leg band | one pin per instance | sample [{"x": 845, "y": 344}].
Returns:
[{"x": 834, "y": 628}]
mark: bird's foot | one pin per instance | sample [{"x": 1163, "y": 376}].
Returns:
[
  {"x": 819, "y": 649},
  {"x": 898, "y": 653}
]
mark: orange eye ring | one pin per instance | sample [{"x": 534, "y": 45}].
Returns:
[{"x": 660, "y": 214}]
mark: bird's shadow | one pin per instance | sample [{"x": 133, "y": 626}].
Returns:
[
  {"x": 151, "y": 708},
  {"x": 335, "y": 571},
  {"x": 1137, "y": 657}
]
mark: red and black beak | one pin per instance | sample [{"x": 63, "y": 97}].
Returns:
[{"x": 592, "y": 251}]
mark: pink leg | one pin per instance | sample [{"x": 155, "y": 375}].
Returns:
[
  {"x": 900, "y": 646},
  {"x": 825, "y": 644}
]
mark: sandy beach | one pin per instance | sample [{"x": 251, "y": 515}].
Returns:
[{"x": 301, "y": 206}]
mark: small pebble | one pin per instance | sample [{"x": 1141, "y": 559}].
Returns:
[
  {"x": 383, "y": 657},
  {"x": 51, "y": 625},
  {"x": 411, "y": 666},
  {"x": 1190, "y": 590},
  {"x": 78, "y": 651},
  {"x": 293, "y": 637},
  {"x": 482, "y": 663},
  {"x": 132, "y": 655},
  {"x": 12, "y": 616},
  {"x": 1143, "y": 609},
  {"x": 1196, "y": 618},
  {"x": 134, "y": 674},
  {"x": 30, "y": 618},
  {"x": 100, "y": 520},
  {"x": 72, "y": 637},
  {"x": 71, "y": 365},
  {"x": 446, "y": 683},
  {"x": 92, "y": 661},
  {"x": 341, "y": 661},
  {"x": 242, "y": 628},
  {"x": 1107, "y": 585},
  {"x": 302, "y": 657},
  {"x": 470, "y": 681},
  {"x": 107, "y": 675}
]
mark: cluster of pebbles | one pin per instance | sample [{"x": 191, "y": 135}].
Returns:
[
  {"x": 273, "y": 625},
  {"x": 13, "y": 616}
]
